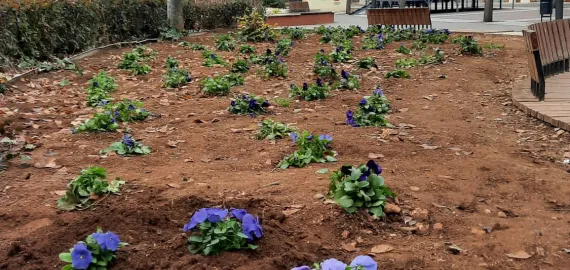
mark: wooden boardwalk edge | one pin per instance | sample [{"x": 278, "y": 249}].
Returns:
[{"x": 554, "y": 110}]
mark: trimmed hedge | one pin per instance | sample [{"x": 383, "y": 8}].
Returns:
[{"x": 54, "y": 28}]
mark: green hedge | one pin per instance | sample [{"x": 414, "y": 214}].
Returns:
[{"x": 56, "y": 28}]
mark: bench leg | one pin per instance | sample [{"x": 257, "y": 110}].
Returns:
[{"x": 567, "y": 65}]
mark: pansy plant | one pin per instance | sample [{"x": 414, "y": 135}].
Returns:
[
  {"x": 272, "y": 130},
  {"x": 297, "y": 33},
  {"x": 225, "y": 42},
  {"x": 131, "y": 61},
  {"x": 102, "y": 81},
  {"x": 371, "y": 111},
  {"x": 434, "y": 36},
  {"x": 216, "y": 86},
  {"x": 128, "y": 111},
  {"x": 246, "y": 49},
  {"x": 175, "y": 77},
  {"x": 347, "y": 81},
  {"x": 315, "y": 91},
  {"x": 211, "y": 59},
  {"x": 323, "y": 67},
  {"x": 397, "y": 73},
  {"x": 403, "y": 50},
  {"x": 248, "y": 104},
  {"x": 405, "y": 63},
  {"x": 283, "y": 46},
  {"x": 367, "y": 63},
  {"x": 360, "y": 187},
  {"x": 311, "y": 149},
  {"x": 437, "y": 57},
  {"x": 171, "y": 63},
  {"x": 361, "y": 262},
  {"x": 240, "y": 66},
  {"x": 97, "y": 252},
  {"x": 100, "y": 122},
  {"x": 373, "y": 42},
  {"x": 213, "y": 230},
  {"x": 274, "y": 68},
  {"x": 89, "y": 185},
  {"x": 341, "y": 55},
  {"x": 127, "y": 146}
]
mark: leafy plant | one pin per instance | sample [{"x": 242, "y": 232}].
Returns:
[
  {"x": 361, "y": 187},
  {"x": 97, "y": 95},
  {"x": 58, "y": 64},
  {"x": 272, "y": 130},
  {"x": 297, "y": 33},
  {"x": 102, "y": 81},
  {"x": 128, "y": 111},
  {"x": 240, "y": 66},
  {"x": 371, "y": 111},
  {"x": 359, "y": 263},
  {"x": 397, "y": 73},
  {"x": 131, "y": 60},
  {"x": 193, "y": 46},
  {"x": 283, "y": 102},
  {"x": 341, "y": 55},
  {"x": 321, "y": 29},
  {"x": 170, "y": 34},
  {"x": 311, "y": 149},
  {"x": 437, "y": 57},
  {"x": 213, "y": 230},
  {"x": 323, "y": 67},
  {"x": 403, "y": 50},
  {"x": 283, "y": 47},
  {"x": 246, "y": 49},
  {"x": 175, "y": 78},
  {"x": 275, "y": 68},
  {"x": 406, "y": 63},
  {"x": 89, "y": 185},
  {"x": 98, "y": 251},
  {"x": 367, "y": 63},
  {"x": 493, "y": 46},
  {"x": 373, "y": 42},
  {"x": 248, "y": 104},
  {"x": 434, "y": 36},
  {"x": 219, "y": 85},
  {"x": 252, "y": 27},
  {"x": 468, "y": 45},
  {"x": 419, "y": 45},
  {"x": 171, "y": 63},
  {"x": 225, "y": 42},
  {"x": 100, "y": 122},
  {"x": 127, "y": 146},
  {"x": 347, "y": 81},
  {"x": 310, "y": 92},
  {"x": 211, "y": 59}
]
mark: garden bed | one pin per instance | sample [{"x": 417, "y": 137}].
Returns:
[{"x": 458, "y": 152}]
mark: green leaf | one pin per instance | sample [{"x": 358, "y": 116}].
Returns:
[
  {"x": 64, "y": 82},
  {"x": 376, "y": 211},
  {"x": 345, "y": 202},
  {"x": 66, "y": 257},
  {"x": 323, "y": 171},
  {"x": 67, "y": 267},
  {"x": 195, "y": 238}
]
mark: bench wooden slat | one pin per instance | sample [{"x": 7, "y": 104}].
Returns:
[
  {"x": 556, "y": 39},
  {"x": 399, "y": 17},
  {"x": 563, "y": 41}
]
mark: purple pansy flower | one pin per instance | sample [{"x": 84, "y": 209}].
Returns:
[
  {"x": 252, "y": 103},
  {"x": 212, "y": 215},
  {"x": 304, "y": 267},
  {"x": 378, "y": 92},
  {"x": 365, "y": 262},
  {"x": 319, "y": 82},
  {"x": 293, "y": 136},
  {"x": 80, "y": 256},
  {"x": 128, "y": 140},
  {"x": 265, "y": 104},
  {"x": 238, "y": 213},
  {"x": 232, "y": 103},
  {"x": 305, "y": 86},
  {"x": 363, "y": 102},
  {"x": 325, "y": 137},
  {"x": 344, "y": 74},
  {"x": 107, "y": 241},
  {"x": 333, "y": 264},
  {"x": 251, "y": 227}
]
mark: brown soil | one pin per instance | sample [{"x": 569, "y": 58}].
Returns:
[{"x": 508, "y": 162}]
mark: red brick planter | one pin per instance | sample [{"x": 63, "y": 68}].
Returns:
[{"x": 304, "y": 18}]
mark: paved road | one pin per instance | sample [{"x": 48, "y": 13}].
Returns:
[{"x": 505, "y": 20}]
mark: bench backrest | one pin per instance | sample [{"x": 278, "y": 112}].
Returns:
[
  {"x": 298, "y": 6},
  {"x": 400, "y": 17}
]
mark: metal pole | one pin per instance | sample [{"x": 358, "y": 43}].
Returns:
[
  {"x": 559, "y": 9},
  {"x": 513, "y": 3}
]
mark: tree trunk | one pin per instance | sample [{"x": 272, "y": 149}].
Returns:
[
  {"x": 348, "y": 6},
  {"x": 402, "y": 3},
  {"x": 175, "y": 14},
  {"x": 488, "y": 15},
  {"x": 559, "y": 9}
]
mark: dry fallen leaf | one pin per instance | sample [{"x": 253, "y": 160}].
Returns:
[
  {"x": 521, "y": 254},
  {"x": 375, "y": 156},
  {"x": 174, "y": 185},
  {"x": 350, "y": 247},
  {"x": 60, "y": 192},
  {"x": 429, "y": 147},
  {"x": 382, "y": 249}
]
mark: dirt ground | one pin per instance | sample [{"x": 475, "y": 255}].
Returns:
[{"x": 494, "y": 167}]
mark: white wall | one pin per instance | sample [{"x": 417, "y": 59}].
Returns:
[{"x": 327, "y": 5}]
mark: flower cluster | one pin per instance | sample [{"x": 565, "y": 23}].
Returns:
[
  {"x": 367, "y": 63},
  {"x": 371, "y": 111},
  {"x": 220, "y": 229},
  {"x": 99, "y": 88},
  {"x": 361, "y": 187},
  {"x": 97, "y": 252},
  {"x": 310, "y": 92},
  {"x": 311, "y": 149},
  {"x": 373, "y": 42},
  {"x": 248, "y": 104},
  {"x": 341, "y": 55},
  {"x": 323, "y": 67},
  {"x": 211, "y": 59},
  {"x": 283, "y": 46},
  {"x": 127, "y": 146},
  {"x": 347, "y": 81},
  {"x": 89, "y": 184},
  {"x": 359, "y": 263}
]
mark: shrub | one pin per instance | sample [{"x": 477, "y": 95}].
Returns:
[
  {"x": 361, "y": 187},
  {"x": 283, "y": 47},
  {"x": 367, "y": 63},
  {"x": 347, "y": 81},
  {"x": 397, "y": 73},
  {"x": 252, "y": 27},
  {"x": 468, "y": 45},
  {"x": 248, "y": 104},
  {"x": 225, "y": 42},
  {"x": 273, "y": 3},
  {"x": 89, "y": 185},
  {"x": 217, "y": 231},
  {"x": 311, "y": 149},
  {"x": 371, "y": 111},
  {"x": 310, "y": 92},
  {"x": 272, "y": 130},
  {"x": 127, "y": 146},
  {"x": 373, "y": 42},
  {"x": 98, "y": 251},
  {"x": 240, "y": 66},
  {"x": 359, "y": 263}
]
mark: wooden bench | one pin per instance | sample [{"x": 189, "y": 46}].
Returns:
[
  {"x": 417, "y": 18},
  {"x": 548, "y": 52},
  {"x": 298, "y": 6}
]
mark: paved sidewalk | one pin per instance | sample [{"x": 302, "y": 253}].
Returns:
[{"x": 505, "y": 20}]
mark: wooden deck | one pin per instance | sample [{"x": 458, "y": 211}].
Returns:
[{"x": 555, "y": 109}]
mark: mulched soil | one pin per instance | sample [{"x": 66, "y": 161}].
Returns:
[{"x": 491, "y": 160}]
